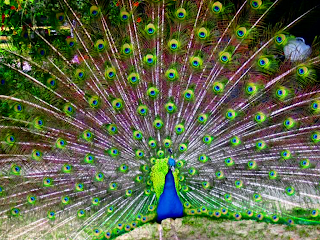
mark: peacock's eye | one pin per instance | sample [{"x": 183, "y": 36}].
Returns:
[
  {"x": 225, "y": 57},
  {"x": 117, "y": 104},
  {"x": 256, "y": 4},
  {"x": 127, "y": 49},
  {"x": 280, "y": 39},
  {"x": 174, "y": 45},
  {"x": 218, "y": 87},
  {"x": 196, "y": 62},
  {"x": 216, "y": 7},
  {"x": 171, "y": 74},
  {"x": 124, "y": 16},
  {"x": 150, "y": 29},
  {"x": 181, "y": 13},
  {"x": 241, "y": 32},
  {"x": 203, "y": 33}
]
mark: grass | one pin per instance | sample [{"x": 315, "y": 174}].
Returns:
[{"x": 303, "y": 233}]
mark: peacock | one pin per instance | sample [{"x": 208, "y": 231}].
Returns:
[{"x": 115, "y": 114}]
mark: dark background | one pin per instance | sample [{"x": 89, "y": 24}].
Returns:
[
  {"x": 287, "y": 10},
  {"x": 284, "y": 11}
]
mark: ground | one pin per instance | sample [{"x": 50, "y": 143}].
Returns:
[{"x": 196, "y": 228}]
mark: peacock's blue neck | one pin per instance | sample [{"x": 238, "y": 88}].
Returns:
[{"x": 170, "y": 205}]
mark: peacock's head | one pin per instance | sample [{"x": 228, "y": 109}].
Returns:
[{"x": 172, "y": 163}]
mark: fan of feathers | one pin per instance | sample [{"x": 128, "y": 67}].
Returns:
[{"x": 119, "y": 113}]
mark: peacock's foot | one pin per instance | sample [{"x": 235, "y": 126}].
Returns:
[
  {"x": 160, "y": 230},
  {"x": 173, "y": 228}
]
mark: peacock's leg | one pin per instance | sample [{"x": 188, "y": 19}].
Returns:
[
  {"x": 160, "y": 231},
  {"x": 175, "y": 237}
]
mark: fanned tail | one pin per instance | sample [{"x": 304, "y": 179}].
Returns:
[{"x": 128, "y": 91}]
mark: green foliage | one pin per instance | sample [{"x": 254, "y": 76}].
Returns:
[{"x": 20, "y": 18}]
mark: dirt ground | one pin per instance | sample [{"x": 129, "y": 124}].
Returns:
[{"x": 195, "y": 228}]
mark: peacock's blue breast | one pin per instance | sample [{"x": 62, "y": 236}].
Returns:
[{"x": 169, "y": 205}]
